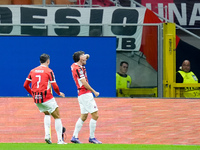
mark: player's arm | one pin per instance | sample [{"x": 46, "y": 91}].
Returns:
[
  {"x": 87, "y": 86},
  {"x": 56, "y": 89},
  {"x": 54, "y": 84},
  {"x": 27, "y": 87},
  {"x": 179, "y": 78}
]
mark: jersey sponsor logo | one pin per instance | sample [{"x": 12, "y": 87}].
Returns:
[
  {"x": 38, "y": 96},
  {"x": 81, "y": 74}
]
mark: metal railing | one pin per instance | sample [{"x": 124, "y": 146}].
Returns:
[{"x": 180, "y": 88}]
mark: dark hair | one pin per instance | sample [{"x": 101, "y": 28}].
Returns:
[
  {"x": 123, "y": 62},
  {"x": 44, "y": 58},
  {"x": 76, "y": 55}
]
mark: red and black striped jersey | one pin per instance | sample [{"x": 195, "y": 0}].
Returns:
[
  {"x": 41, "y": 79},
  {"x": 78, "y": 73}
]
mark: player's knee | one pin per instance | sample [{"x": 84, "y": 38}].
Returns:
[
  {"x": 83, "y": 117},
  {"x": 95, "y": 116},
  {"x": 46, "y": 113},
  {"x": 56, "y": 114},
  {"x": 56, "y": 117}
]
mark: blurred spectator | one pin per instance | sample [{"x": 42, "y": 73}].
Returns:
[
  {"x": 103, "y": 3},
  {"x": 40, "y": 2},
  {"x": 5, "y": 2},
  {"x": 123, "y": 81},
  {"x": 21, "y": 2},
  {"x": 125, "y": 3},
  {"x": 184, "y": 75},
  {"x": 80, "y": 2},
  {"x": 65, "y": 2}
]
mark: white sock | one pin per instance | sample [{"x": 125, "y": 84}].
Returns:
[
  {"x": 47, "y": 125},
  {"x": 78, "y": 127},
  {"x": 92, "y": 127},
  {"x": 58, "y": 126}
]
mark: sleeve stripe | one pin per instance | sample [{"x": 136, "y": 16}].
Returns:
[
  {"x": 77, "y": 73},
  {"x": 52, "y": 76}
]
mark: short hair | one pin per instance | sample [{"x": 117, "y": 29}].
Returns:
[
  {"x": 123, "y": 62},
  {"x": 44, "y": 58},
  {"x": 76, "y": 55}
]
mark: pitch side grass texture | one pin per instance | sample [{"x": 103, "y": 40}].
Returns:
[{"x": 44, "y": 146}]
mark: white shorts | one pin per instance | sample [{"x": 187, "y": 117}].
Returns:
[
  {"x": 87, "y": 103},
  {"x": 49, "y": 106}
]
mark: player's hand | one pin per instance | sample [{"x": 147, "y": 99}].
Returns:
[
  {"x": 62, "y": 94},
  {"x": 87, "y": 56},
  {"x": 96, "y": 94}
]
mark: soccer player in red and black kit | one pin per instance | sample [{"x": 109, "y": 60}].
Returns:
[
  {"x": 85, "y": 97},
  {"x": 41, "y": 79}
]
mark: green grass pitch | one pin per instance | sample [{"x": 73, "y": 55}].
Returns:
[{"x": 44, "y": 146}]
